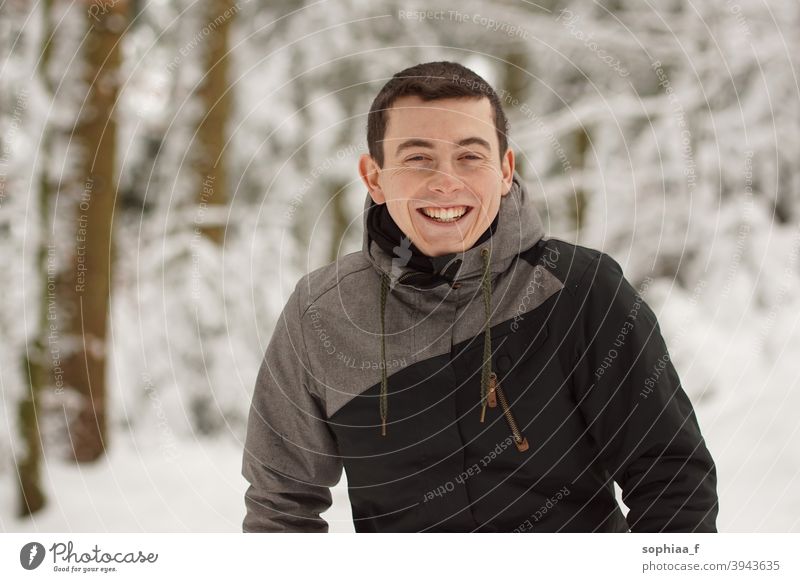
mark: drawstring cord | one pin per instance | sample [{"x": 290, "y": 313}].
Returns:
[
  {"x": 486, "y": 369},
  {"x": 384, "y": 383}
]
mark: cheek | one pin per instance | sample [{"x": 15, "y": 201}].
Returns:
[
  {"x": 400, "y": 211},
  {"x": 485, "y": 186},
  {"x": 489, "y": 206},
  {"x": 400, "y": 186}
]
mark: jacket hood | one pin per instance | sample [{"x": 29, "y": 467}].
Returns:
[{"x": 518, "y": 227}]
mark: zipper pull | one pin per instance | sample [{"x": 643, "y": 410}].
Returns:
[
  {"x": 491, "y": 397},
  {"x": 519, "y": 439}
]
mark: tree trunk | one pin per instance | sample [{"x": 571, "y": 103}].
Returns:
[
  {"x": 31, "y": 494},
  {"x": 96, "y": 133},
  {"x": 515, "y": 84},
  {"x": 579, "y": 163},
  {"x": 209, "y": 162},
  {"x": 339, "y": 219}
]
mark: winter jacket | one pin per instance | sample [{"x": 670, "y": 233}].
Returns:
[{"x": 506, "y": 388}]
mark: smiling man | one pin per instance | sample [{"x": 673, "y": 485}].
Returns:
[
  {"x": 444, "y": 189},
  {"x": 468, "y": 373}
]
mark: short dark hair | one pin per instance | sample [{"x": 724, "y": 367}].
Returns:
[{"x": 431, "y": 81}]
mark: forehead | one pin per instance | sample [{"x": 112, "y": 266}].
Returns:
[{"x": 442, "y": 119}]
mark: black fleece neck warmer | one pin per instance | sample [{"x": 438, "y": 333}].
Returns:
[{"x": 387, "y": 234}]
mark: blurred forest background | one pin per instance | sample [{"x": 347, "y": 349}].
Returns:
[{"x": 170, "y": 168}]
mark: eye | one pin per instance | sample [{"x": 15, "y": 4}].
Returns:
[
  {"x": 419, "y": 158},
  {"x": 472, "y": 157}
]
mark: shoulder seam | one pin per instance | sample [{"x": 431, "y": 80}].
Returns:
[
  {"x": 586, "y": 270},
  {"x": 573, "y": 281}
]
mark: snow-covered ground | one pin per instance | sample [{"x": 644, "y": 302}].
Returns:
[{"x": 196, "y": 488}]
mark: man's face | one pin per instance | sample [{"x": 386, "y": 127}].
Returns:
[{"x": 442, "y": 177}]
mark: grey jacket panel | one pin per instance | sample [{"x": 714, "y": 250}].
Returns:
[{"x": 290, "y": 456}]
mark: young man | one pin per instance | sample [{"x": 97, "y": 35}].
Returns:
[{"x": 468, "y": 373}]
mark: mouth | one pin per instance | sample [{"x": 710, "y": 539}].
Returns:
[{"x": 444, "y": 215}]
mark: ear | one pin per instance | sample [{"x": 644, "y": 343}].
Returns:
[
  {"x": 507, "y": 170},
  {"x": 370, "y": 175}
]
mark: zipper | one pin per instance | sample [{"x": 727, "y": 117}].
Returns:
[{"x": 494, "y": 388}]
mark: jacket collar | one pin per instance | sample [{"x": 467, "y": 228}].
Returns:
[{"x": 516, "y": 227}]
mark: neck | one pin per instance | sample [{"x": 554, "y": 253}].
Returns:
[{"x": 388, "y": 235}]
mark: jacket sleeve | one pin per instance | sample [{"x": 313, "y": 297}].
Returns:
[
  {"x": 290, "y": 455},
  {"x": 637, "y": 413}
]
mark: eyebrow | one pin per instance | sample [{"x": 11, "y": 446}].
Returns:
[{"x": 424, "y": 143}]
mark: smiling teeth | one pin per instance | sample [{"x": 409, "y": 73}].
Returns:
[{"x": 445, "y": 215}]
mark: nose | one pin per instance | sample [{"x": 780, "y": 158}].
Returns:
[{"x": 445, "y": 181}]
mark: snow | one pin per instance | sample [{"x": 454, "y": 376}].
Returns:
[{"x": 194, "y": 486}]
